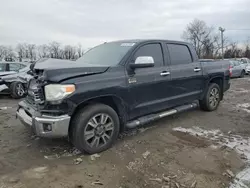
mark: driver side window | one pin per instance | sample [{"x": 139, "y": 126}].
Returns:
[{"x": 153, "y": 50}]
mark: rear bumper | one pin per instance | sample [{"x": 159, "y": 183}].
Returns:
[{"x": 43, "y": 126}]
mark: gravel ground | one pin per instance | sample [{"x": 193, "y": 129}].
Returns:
[{"x": 158, "y": 155}]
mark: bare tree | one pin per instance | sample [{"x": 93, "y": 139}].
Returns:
[
  {"x": 69, "y": 52},
  {"x": 3, "y": 52},
  {"x": 31, "y": 51},
  {"x": 203, "y": 38},
  {"x": 54, "y": 49},
  {"x": 43, "y": 51},
  {"x": 247, "y": 51},
  {"x": 10, "y": 54},
  {"x": 20, "y": 49},
  {"x": 233, "y": 51}
]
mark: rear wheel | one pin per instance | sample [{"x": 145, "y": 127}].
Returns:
[
  {"x": 95, "y": 128},
  {"x": 17, "y": 90},
  {"x": 211, "y": 99}
]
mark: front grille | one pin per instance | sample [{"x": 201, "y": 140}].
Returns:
[{"x": 35, "y": 92}]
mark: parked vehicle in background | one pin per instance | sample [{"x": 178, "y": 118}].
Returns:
[
  {"x": 206, "y": 60},
  {"x": 245, "y": 60},
  {"x": 7, "y": 68},
  {"x": 118, "y": 85},
  {"x": 15, "y": 83},
  {"x": 238, "y": 69},
  {"x": 248, "y": 69}
]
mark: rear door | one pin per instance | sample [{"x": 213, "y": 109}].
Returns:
[
  {"x": 146, "y": 85},
  {"x": 187, "y": 79}
]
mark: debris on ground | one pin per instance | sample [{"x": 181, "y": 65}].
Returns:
[
  {"x": 173, "y": 177},
  {"x": 97, "y": 183},
  {"x": 177, "y": 185},
  {"x": 77, "y": 161},
  {"x": 76, "y": 151},
  {"x": 146, "y": 154},
  {"x": 51, "y": 157},
  {"x": 94, "y": 156},
  {"x": 230, "y": 173},
  {"x": 166, "y": 179},
  {"x": 159, "y": 180},
  {"x": 193, "y": 184}
]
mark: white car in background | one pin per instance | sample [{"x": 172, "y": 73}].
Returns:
[
  {"x": 237, "y": 68},
  {"x": 246, "y": 63}
]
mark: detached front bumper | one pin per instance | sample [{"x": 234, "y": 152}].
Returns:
[{"x": 43, "y": 126}]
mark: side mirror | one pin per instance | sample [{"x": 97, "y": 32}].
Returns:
[{"x": 143, "y": 62}]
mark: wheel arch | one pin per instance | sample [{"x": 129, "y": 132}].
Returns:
[
  {"x": 217, "y": 80},
  {"x": 113, "y": 101}
]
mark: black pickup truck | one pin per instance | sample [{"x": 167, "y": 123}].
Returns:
[{"x": 118, "y": 85}]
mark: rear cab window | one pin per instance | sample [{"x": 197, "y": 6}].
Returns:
[{"x": 179, "y": 54}]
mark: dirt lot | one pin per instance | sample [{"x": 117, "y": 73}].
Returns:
[{"x": 169, "y": 153}]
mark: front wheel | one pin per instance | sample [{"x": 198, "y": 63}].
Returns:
[
  {"x": 212, "y": 97},
  {"x": 17, "y": 90},
  {"x": 95, "y": 128}
]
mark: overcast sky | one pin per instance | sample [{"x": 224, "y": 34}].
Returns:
[{"x": 90, "y": 22}]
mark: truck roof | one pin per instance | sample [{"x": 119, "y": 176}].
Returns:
[{"x": 150, "y": 40}]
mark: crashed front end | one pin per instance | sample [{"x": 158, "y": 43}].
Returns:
[
  {"x": 46, "y": 120},
  {"x": 48, "y": 106}
]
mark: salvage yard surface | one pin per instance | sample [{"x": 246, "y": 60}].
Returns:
[{"x": 193, "y": 149}]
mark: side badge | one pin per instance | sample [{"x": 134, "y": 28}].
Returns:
[{"x": 131, "y": 80}]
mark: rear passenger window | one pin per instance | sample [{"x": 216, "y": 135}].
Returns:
[
  {"x": 179, "y": 54},
  {"x": 153, "y": 50}
]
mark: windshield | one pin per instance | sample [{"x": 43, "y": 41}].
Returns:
[{"x": 108, "y": 54}]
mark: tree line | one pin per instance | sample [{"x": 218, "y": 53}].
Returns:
[
  {"x": 208, "y": 44},
  {"x": 34, "y": 52},
  {"x": 205, "y": 39}
]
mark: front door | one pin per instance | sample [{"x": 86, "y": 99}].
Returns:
[{"x": 146, "y": 85}]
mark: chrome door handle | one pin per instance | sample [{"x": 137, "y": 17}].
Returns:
[
  {"x": 197, "y": 69},
  {"x": 165, "y": 73}
]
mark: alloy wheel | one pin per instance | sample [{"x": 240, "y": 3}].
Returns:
[
  {"x": 214, "y": 97},
  {"x": 99, "y": 130}
]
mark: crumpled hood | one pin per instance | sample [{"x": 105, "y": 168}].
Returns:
[{"x": 56, "y": 70}]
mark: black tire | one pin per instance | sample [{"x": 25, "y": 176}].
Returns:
[
  {"x": 15, "y": 90},
  {"x": 205, "y": 103},
  {"x": 242, "y": 74},
  {"x": 82, "y": 123}
]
